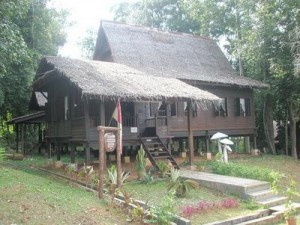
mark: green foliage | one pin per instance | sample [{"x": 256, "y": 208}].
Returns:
[
  {"x": 180, "y": 185},
  {"x": 110, "y": 178},
  {"x": 251, "y": 204},
  {"x": 164, "y": 213},
  {"x": 163, "y": 168},
  {"x": 240, "y": 170},
  {"x": 148, "y": 178},
  {"x": 2, "y": 151},
  {"x": 163, "y": 14},
  {"x": 140, "y": 162},
  {"x": 139, "y": 213},
  {"x": 28, "y": 29}
]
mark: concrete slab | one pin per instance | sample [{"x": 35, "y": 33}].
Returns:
[{"x": 233, "y": 185}]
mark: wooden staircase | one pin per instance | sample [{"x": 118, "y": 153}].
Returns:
[{"x": 157, "y": 151}]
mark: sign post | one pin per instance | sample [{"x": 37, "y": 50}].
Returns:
[{"x": 109, "y": 139}]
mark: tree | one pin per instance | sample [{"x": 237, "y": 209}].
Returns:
[
  {"x": 164, "y": 14},
  {"x": 28, "y": 29}
]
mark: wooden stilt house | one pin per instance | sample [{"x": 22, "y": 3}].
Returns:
[
  {"x": 195, "y": 60},
  {"x": 81, "y": 95}
]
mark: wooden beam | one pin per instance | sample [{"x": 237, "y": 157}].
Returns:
[{"x": 190, "y": 134}]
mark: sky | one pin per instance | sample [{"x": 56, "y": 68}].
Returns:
[{"x": 84, "y": 14}]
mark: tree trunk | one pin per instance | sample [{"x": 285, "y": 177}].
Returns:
[
  {"x": 268, "y": 123},
  {"x": 286, "y": 134},
  {"x": 292, "y": 131}
]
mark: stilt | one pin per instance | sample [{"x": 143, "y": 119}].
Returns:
[
  {"x": 87, "y": 154},
  {"x": 73, "y": 150},
  {"x": 58, "y": 151}
]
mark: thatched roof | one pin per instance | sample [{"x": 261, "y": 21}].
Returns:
[
  {"x": 110, "y": 81},
  {"x": 165, "y": 54},
  {"x": 33, "y": 118}
]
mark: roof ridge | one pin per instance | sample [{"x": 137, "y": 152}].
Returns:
[{"x": 158, "y": 30}]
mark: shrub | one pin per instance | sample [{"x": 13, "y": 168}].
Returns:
[
  {"x": 180, "y": 185},
  {"x": 239, "y": 170},
  {"x": 140, "y": 162},
  {"x": 204, "y": 206},
  {"x": 2, "y": 151},
  {"x": 163, "y": 168},
  {"x": 164, "y": 213},
  {"x": 110, "y": 179}
]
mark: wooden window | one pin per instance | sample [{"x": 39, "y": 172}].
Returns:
[
  {"x": 173, "y": 109},
  {"x": 220, "y": 107},
  {"x": 194, "y": 109},
  {"x": 78, "y": 104},
  {"x": 242, "y": 107},
  {"x": 94, "y": 113},
  {"x": 152, "y": 108}
]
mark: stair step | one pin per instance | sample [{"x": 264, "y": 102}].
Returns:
[
  {"x": 162, "y": 157},
  {"x": 159, "y": 152},
  {"x": 258, "y": 187},
  {"x": 260, "y": 195},
  {"x": 276, "y": 200},
  {"x": 263, "y": 220}
]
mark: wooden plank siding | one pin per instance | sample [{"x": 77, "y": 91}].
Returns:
[
  {"x": 206, "y": 120},
  {"x": 73, "y": 127}
]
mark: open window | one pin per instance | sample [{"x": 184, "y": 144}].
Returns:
[
  {"x": 242, "y": 107},
  {"x": 220, "y": 107},
  {"x": 173, "y": 109},
  {"x": 194, "y": 109}
]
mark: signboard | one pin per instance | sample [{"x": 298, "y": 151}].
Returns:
[
  {"x": 109, "y": 142},
  {"x": 133, "y": 130}
]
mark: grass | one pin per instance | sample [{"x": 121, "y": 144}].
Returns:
[
  {"x": 151, "y": 193},
  {"x": 31, "y": 197},
  {"x": 159, "y": 190}
]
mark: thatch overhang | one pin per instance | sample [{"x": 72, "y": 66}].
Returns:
[
  {"x": 110, "y": 81},
  {"x": 33, "y": 118},
  {"x": 165, "y": 54}
]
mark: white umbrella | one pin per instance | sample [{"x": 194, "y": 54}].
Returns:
[
  {"x": 218, "y": 136},
  {"x": 226, "y": 141}
]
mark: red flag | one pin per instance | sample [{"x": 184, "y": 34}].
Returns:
[{"x": 117, "y": 115}]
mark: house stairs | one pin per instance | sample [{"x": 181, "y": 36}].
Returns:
[
  {"x": 258, "y": 191},
  {"x": 156, "y": 151}
]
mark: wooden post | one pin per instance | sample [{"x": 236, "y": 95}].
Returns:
[
  {"x": 101, "y": 162},
  {"x": 206, "y": 141},
  {"x": 102, "y": 130},
  {"x": 190, "y": 134},
  {"x": 17, "y": 138},
  {"x": 119, "y": 170},
  {"x": 58, "y": 151},
  {"x": 40, "y": 138},
  {"x": 73, "y": 149},
  {"x": 48, "y": 144},
  {"x": 87, "y": 154},
  {"x": 22, "y": 139}
]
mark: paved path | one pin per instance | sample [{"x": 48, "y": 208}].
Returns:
[{"x": 233, "y": 185}]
